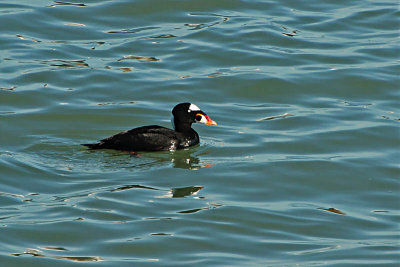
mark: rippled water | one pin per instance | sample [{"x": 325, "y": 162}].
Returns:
[{"x": 302, "y": 169}]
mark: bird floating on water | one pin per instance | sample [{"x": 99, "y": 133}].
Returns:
[{"x": 158, "y": 138}]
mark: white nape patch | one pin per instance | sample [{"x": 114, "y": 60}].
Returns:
[{"x": 193, "y": 107}]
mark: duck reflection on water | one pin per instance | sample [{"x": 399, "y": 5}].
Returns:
[
  {"x": 173, "y": 192},
  {"x": 190, "y": 159}
]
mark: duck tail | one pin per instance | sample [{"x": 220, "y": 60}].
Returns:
[{"x": 92, "y": 146}]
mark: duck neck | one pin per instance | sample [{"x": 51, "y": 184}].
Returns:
[
  {"x": 180, "y": 126},
  {"x": 183, "y": 127}
]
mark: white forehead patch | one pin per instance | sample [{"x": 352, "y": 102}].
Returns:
[{"x": 193, "y": 107}]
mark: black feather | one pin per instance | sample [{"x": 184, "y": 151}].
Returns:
[{"x": 154, "y": 137}]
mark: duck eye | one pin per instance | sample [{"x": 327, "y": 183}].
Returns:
[{"x": 198, "y": 118}]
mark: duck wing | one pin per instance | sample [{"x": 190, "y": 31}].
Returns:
[{"x": 146, "y": 138}]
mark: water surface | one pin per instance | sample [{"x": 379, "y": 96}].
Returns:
[{"x": 302, "y": 169}]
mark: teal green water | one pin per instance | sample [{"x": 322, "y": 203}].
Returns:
[{"x": 302, "y": 169}]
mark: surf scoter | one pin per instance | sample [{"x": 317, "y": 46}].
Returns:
[{"x": 158, "y": 138}]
